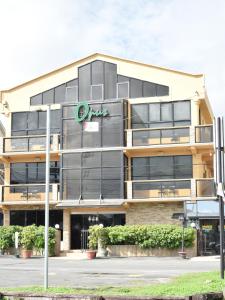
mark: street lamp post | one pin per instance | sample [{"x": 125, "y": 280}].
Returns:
[{"x": 47, "y": 196}]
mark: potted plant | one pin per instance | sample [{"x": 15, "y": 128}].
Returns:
[
  {"x": 27, "y": 241},
  {"x": 92, "y": 245}
]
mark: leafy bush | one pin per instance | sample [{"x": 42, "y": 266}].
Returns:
[
  {"x": 7, "y": 236},
  {"x": 39, "y": 242},
  {"x": 97, "y": 232},
  {"x": 28, "y": 236},
  {"x": 146, "y": 236}
]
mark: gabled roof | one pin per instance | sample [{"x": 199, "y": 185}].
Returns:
[{"x": 97, "y": 55}]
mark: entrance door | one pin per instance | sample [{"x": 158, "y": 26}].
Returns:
[{"x": 81, "y": 223}]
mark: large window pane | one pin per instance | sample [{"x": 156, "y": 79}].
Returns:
[
  {"x": 162, "y": 90},
  {"x": 140, "y": 115},
  {"x": 154, "y": 112},
  {"x": 140, "y": 168},
  {"x": 19, "y": 121},
  {"x": 91, "y": 159},
  {"x": 97, "y": 72},
  {"x": 114, "y": 109},
  {"x": 111, "y": 189},
  {"x": 48, "y": 97},
  {"x": 84, "y": 82},
  {"x": 123, "y": 90},
  {"x": 71, "y": 134},
  {"x": 182, "y": 111},
  {"x": 149, "y": 89},
  {"x": 60, "y": 92},
  {"x": 183, "y": 166},
  {"x": 135, "y": 88},
  {"x": 161, "y": 167},
  {"x": 18, "y": 173},
  {"x": 111, "y": 132},
  {"x": 72, "y": 160},
  {"x": 110, "y": 80},
  {"x": 111, "y": 158},
  {"x": 166, "y": 112},
  {"x": 90, "y": 189},
  {"x": 32, "y": 122},
  {"x": 36, "y": 100}
]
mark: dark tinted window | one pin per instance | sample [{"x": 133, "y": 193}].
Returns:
[
  {"x": 110, "y": 80},
  {"x": 84, "y": 82},
  {"x": 36, "y": 100},
  {"x": 135, "y": 88},
  {"x": 93, "y": 174},
  {"x": 48, "y": 97},
  {"x": 60, "y": 92}
]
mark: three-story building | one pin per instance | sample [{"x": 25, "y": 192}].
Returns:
[{"x": 131, "y": 143}]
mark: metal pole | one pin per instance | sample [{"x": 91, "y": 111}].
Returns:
[
  {"x": 47, "y": 197},
  {"x": 221, "y": 203}
]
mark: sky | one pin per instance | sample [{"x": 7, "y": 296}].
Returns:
[{"x": 38, "y": 36}]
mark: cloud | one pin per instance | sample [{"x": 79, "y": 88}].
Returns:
[{"x": 38, "y": 36}]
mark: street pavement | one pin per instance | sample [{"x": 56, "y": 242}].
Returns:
[{"x": 15, "y": 272}]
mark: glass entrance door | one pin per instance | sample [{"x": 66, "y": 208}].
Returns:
[{"x": 81, "y": 223}]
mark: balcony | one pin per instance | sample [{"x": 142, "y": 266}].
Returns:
[
  {"x": 171, "y": 189},
  {"x": 204, "y": 134},
  {"x": 28, "y": 193},
  {"x": 35, "y": 143},
  {"x": 169, "y": 136}
]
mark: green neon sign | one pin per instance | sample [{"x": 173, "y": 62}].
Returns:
[{"x": 83, "y": 111}]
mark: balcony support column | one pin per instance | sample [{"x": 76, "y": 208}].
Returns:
[
  {"x": 195, "y": 111},
  {"x": 6, "y": 217},
  {"x": 66, "y": 229}
]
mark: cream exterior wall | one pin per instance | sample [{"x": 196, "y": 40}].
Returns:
[{"x": 181, "y": 85}]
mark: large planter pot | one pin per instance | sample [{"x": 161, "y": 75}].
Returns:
[
  {"x": 26, "y": 253},
  {"x": 91, "y": 254}
]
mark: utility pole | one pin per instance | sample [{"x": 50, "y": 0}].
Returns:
[
  {"x": 220, "y": 191},
  {"x": 47, "y": 168}
]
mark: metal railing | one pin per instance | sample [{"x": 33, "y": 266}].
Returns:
[
  {"x": 147, "y": 137},
  {"x": 161, "y": 188},
  {"x": 28, "y": 192},
  {"x": 204, "y": 134},
  {"x": 205, "y": 188},
  {"x": 84, "y": 239},
  {"x": 171, "y": 188},
  {"x": 29, "y": 143}
]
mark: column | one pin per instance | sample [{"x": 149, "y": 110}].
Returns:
[
  {"x": 6, "y": 217},
  {"x": 195, "y": 111},
  {"x": 66, "y": 229}
]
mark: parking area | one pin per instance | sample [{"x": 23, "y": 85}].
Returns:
[{"x": 16, "y": 272}]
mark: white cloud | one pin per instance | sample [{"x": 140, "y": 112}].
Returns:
[{"x": 38, "y": 36}]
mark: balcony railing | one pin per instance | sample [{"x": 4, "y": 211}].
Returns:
[
  {"x": 29, "y": 143},
  {"x": 204, "y": 134},
  {"x": 169, "y": 136},
  {"x": 205, "y": 188},
  {"x": 29, "y": 192},
  {"x": 148, "y": 137},
  {"x": 170, "y": 188}
]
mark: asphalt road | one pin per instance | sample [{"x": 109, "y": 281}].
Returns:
[{"x": 16, "y": 272}]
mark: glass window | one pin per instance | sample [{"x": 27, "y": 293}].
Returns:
[
  {"x": 140, "y": 168},
  {"x": 71, "y": 94},
  {"x": 135, "y": 88},
  {"x": 111, "y": 131},
  {"x": 161, "y": 167},
  {"x": 166, "y": 112},
  {"x": 183, "y": 166},
  {"x": 149, "y": 89},
  {"x": 111, "y": 189},
  {"x": 71, "y": 134},
  {"x": 91, "y": 159},
  {"x": 36, "y": 100},
  {"x": 114, "y": 109},
  {"x": 110, "y": 80},
  {"x": 48, "y": 97},
  {"x": 55, "y": 118},
  {"x": 32, "y": 122},
  {"x": 60, "y": 92},
  {"x": 31, "y": 172},
  {"x": 72, "y": 160},
  {"x": 111, "y": 159},
  {"x": 139, "y": 115},
  {"x": 97, "y": 92},
  {"x": 123, "y": 90},
  {"x": 19, "y": 121},
  {"x": 18, "y": 173},
  {"x": 84, "y": 82},
  {"x": 97, "y": 72},
  {"x": 42, "y": 120},
  {"x": 162, "y": 90},
  {"x": 72, "y": 83},
  {"x": 154, "y": 112},
  {"x": 182, "y": 110}
]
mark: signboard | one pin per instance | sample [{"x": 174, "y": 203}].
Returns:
[
  {"x": 83, "y": 112},
  {"x": 91, "y": 126}
]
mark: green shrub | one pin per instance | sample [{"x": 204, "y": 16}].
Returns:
[
  {"x": 28, "y": 236},
  {"x": 145, "y": 236},
  {"x": 7, "y": 236},
  {"x": 97, "y": 232},
  {"x": 39, "y": 242}
]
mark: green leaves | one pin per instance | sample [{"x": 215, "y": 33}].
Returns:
[{"x": 146, "y": 236}]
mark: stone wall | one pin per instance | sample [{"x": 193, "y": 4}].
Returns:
[{"x": 153, "y": 213}]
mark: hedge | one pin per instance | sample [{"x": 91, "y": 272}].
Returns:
[
  {"x": 30, "y": 237},
  {"x": 145, "y": 236}
]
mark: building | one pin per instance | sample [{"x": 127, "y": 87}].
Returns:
[{"x": 130, "y": 143}]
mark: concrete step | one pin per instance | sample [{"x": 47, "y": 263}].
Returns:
[{"x": 78, "y": 254}]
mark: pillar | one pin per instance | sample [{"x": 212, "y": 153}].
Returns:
[
  {"x": 66, "y": 229},
  {"x": 6, "y": 217}
]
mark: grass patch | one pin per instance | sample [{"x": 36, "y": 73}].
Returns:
[{"x": 185, "y": 285}]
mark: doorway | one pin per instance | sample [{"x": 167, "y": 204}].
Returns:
[{"x": 80, "y": 224}]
